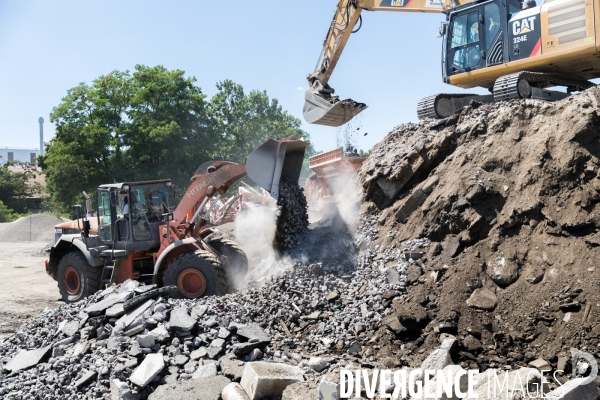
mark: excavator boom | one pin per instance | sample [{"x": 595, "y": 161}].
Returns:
[{"x": 321, "y": 106}]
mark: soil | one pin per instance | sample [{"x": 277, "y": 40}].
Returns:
[
  {"x": 509, "y": 192},
  {"x": 25, "y": 288}
]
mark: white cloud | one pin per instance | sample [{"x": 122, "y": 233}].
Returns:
[{"x": 299, "y": 88}]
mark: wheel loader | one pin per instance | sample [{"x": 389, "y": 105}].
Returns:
[
  {"x": 513, "y": 48},
  {"x": 136, "y": 234}
]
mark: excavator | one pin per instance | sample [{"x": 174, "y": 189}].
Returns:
[
  {"x": 513, "y": 48},
  {"x": 135, "y": 234}
]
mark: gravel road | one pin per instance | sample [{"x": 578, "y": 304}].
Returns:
[{"x": 25, "y": 289}]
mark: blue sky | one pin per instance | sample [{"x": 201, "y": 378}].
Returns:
[{"x": 47, "y": 47}]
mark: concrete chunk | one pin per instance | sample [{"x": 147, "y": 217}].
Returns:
[
  {"x": 234, "y": 391},
  {"x": 85, "y": 379},
  {"x": 192, "y": 389},
  {"x": 300, "y": 391},
  {"x": 148, "y": 370},
  {"x": 205, "y": 371},
  {"x": 180, "y": 321},
  {"x": 263, "y": 379},
  {"x": 71, "y": 328},
  {"x": 120, "y": 390},
  {"x": 575, "y": 390},
  {"x": 131, "y": 315},
  {"x": 329, "y": 387},
  {"x": 483, "y": 299},
  {"x": 147, "y": 341},
  {"x": 26, "y": 359},
  {"x": 99, "y": 307},
  {"x": 253, "y": 332},
  {"x": 318, "y": 363}
]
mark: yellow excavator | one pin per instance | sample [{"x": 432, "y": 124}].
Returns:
[{"x": 513, "y": 48}]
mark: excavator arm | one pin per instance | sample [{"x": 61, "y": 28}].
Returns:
[{"x": 321, "y": 106}]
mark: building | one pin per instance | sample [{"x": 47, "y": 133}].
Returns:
[{"x": 18, "y": 154}]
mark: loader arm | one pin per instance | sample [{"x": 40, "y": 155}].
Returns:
[{"x": 320, "y": 106}]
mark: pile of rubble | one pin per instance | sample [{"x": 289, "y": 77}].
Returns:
[{"x": 475, "y": 249}]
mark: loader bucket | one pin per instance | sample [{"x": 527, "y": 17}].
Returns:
[
  {"x": 275, "y": 160},
  {"x": 332, "y": 111}
]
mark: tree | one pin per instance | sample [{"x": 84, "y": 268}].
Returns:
[
  {"x": 14, "y": 186},
  {"x": 154, "y": 123},
  {"x": 242, "y": 122}
]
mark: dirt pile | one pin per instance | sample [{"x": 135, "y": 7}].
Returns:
[{"x": 506, "y": 199}]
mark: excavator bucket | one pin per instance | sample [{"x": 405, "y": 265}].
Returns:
[
  {"x": 275, "y": 160},
  {"x": 329, "y": 111}
]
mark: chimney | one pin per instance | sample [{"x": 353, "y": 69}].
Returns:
[{"x": 41, "y": 121}]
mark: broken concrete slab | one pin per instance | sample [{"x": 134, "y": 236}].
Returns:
[
  {"x": 180, "y": 320},
  {"x": 150, "y": 294},
  {"x": 119, "y": 390},
  {"x": 115, "y": 311},
  {"x": 99, "y": 307},
  {"x": 192, "y": 389},
  {"x": 85, "y": 379},
  {"x": 264, "y": 379},
  {"x": 148, "y": 370},
  {"x": 198, "y": 353},
  {"x": 205, "y": 371},
  {"x": 131, "y": 315},
  {"x": 253, "y": 332},
  {"x": 147, "y": 341},
  {"x": 575, "y": 389},
  {"x": 317, "y": 363},
  {"x": 199, "y": 311},
  {"x": 70, "y": 328},
  {"x": 27, "y": 358},
  {"x": 411, "y": 203},
  {"x": 329, "y": 387}
]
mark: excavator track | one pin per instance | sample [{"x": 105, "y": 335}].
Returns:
[
  {"x": 443, "y": 105},
  {"x": 521, "y": 85}
]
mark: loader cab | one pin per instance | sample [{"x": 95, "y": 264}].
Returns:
[
  {"x": 130, "y": 213},
  {"x": 476, "y": 36}
]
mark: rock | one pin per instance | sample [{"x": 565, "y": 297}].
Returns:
[
  {"x": 437, "y": 360},
  {"x": 192, "y": 389},
  {"x": 575, "y": 389},
  {"x": 180, "y": 321},
  {"x": 329, "y": 387},
  {"x": 199, "y": 353},
  {"x": 318, "y": 363},
  {"x": 85, "y": 379},
  {"x": 392, "y": 276},
  {"x": 115, "y": 311},
  {"x": 451, "y": 246},
  {"x": 212, "y": 352},
  {"x": 146, "y": 341},
  {"x": 262, "y": 379},
  {"x": 483, "y": 299},
  {"x": 413, "y": 273},
  {"x": 99, "y": 307},
  {"x": 26, "y": 359},
  {"x": 131, "y": 315},
  {"x": 234, "y": 391},
  {"x": 205, "y": 371},
  {"x": 540, "y": 364},
  {"x": 255, "y": 354},
  {"x": 180, "y": 360},
  {"x": 223, "y": 333},
  {"x": 149, "y": 295},
  {"x": 152, "y": 365},
  {"x": 393, "y": 324},
  {"x": 503, "y": 271},
  {"x": 199, "y": 311},
  {"x": 561, "y": 364},
  {"x": 332, "y": 296},
  {"x": 300, "y": 391},
  {"x": 71, "y": 328},
  {"x": 472, "y": 344},
  {"x": 411, "y": 315},
  {"x": 160, "y": 333},
  {"x": 120, "y": 390},
  {"x": 253, "y": 331}
]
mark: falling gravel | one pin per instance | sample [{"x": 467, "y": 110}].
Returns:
[{"x": 292, "y": 221}]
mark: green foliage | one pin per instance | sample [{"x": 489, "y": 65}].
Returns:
[
  {"x": 150, "y": 124},
  {"x": 6, "y": 214},
  {"x": 14, "y": 188}
]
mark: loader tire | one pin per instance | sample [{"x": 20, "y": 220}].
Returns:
[
  {"x": 196, "y": 274},
  {"x": 77, "y": 279},
  {"x": 238, "y": 261}
]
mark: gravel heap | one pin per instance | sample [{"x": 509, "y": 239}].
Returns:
[
  {"x": 33, "y": 228},
  {"x": 292, "y": 221}
]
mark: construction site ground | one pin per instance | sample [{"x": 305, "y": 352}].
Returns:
[{"x": 25, "y": 289}]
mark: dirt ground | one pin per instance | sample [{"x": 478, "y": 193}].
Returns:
[{"x": 25, "y": 289}]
